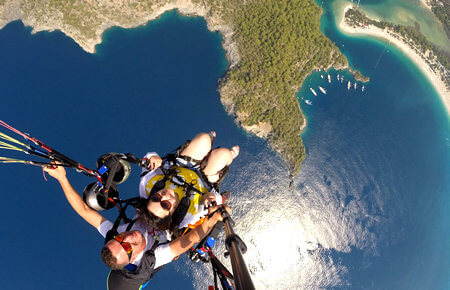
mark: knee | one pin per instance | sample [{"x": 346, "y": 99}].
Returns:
[
  {"x": 199, "y": 147},
  {"x": 203, "y": 137},
  {"x": 222, "y": 155},
  {"x": 202, "y": 141}
]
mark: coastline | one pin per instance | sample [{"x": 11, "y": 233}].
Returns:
[
  {"x": 86, "y": 22},
  {"x": 426, "y": 4},
  {"x": 12, "y": 11},
  {"x": 393, "y": 38}
]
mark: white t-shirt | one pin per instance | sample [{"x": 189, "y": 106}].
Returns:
[
  {"x": 196, "y": 210},
  {"x": 163, "y": 254}
]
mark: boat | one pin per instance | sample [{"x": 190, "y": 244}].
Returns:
[
  {"x": 308, "y": 102},
  {"x": 322, "y": 90},
  {"x": 338, "y": 77},
  {"x": 355, "y": 85},
  {"x": 313, "y": 91},
  {"x": 348, "y": 85},
  {"x": 329, "y": 78},
  {"x": 321, "y": 76},
  {"x": 362, "y": 88},
  {"x": 342, "y": 79}
]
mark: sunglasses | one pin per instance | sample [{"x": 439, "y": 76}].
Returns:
[
  {"x": 125, "y": 245},
  {"x": 165, "y": 204}
]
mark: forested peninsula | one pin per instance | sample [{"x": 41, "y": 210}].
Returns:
[{"x": 271, "y": 46}]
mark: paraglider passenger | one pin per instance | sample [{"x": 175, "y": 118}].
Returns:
[{"x": 180, "y": 190}]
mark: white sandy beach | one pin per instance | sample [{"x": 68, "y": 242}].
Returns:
[
  {"x": 418, "y": 60},
  {"x": 426, "y": 4}
]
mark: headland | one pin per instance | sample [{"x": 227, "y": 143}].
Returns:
[{"x": 271, "y": 47}]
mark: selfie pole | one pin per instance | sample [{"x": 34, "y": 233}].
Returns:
[{"x": 236, "y": 247}]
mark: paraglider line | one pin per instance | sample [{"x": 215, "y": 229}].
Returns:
[
  {"x": 112, "y": 200},
  {"x": 52, "y": 154}
]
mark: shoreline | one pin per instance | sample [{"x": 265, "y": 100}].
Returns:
[
  {"x": 11, "y": 12},
  {"x": 372, "y": 30},
  {"x": 86, "y": 23},
  {"x": 426, "y": 4}
]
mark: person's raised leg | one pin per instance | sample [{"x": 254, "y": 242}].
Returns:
[
  {"x": 218, "y": 160},
  {"x": 200, "y": 146}
]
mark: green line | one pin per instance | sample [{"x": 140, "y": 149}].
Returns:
[
  {"x": 107, "y": 280},
  {"x": 10, "y": 160},
  {"x": 10, "y": 147},
  {"x": 11, "y": 139}
]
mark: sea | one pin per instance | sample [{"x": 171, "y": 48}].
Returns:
[{"x": 370, "y": 208}]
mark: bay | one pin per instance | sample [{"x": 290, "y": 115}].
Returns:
[{"x": 370, "y": 206}]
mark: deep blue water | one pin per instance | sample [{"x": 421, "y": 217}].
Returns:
[
  {"x": 146, "y": 89},
  {"x": 390, "y": 146},
  {"x": 385, "y": 150}
]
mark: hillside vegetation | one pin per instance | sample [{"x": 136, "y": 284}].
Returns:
[{"x": 272, "y": 45}]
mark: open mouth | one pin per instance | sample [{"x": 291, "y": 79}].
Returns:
[{"x": 165, "y": 204}]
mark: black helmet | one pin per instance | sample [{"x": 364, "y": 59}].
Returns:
[
  {"x": 110, "y": 160},
  {"x": 95, "y": 197}
]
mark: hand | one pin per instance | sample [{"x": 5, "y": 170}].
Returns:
[
  {"x": 152, "y": 163},
  {"x": 218, "y": 214},
  {"x": 55, "y": 171}
]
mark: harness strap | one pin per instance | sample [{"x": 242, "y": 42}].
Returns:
[
  {"x": 220, "y": 271},
  {"x": 160, "y": 184},
  {"x": 122, "y": 216},
  {"x": 130, "y": 225},
  {"x": 111, "y": 174},
  {"x": 182, "y": 209}
]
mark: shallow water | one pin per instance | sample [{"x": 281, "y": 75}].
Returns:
[
  {"x": 408, "y": 12},
  {"x": 370, "y": 206}
]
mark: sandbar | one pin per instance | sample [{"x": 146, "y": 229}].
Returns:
[{"x": 398, "y": 41}]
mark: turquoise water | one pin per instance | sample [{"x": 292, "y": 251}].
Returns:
[
  {"x": 370, "y": 207},
  {"x": 387, "y": 150},
  {"x": 408, "y": 12}
]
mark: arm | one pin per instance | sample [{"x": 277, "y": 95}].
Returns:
[
  {"x": 184, "y": 243},
  {"x": 150, "y": 164},
  {"x": 75, "y": 200}
]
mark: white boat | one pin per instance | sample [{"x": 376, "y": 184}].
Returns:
[
  {"x": 313, "y": 91},
  {"x": 329, "y": 78},
  {"x": 322, "y": 90},
  {"x": 355, "y": 85},
  {"x": 308, "y": 102},
  {"x": 362, "y": 88},
  {"x": 338, "y": 77},
  {"x": 342, "y": 79},
  {"x": 348, "y": 85},
  {"x": 321, "y": 76}
]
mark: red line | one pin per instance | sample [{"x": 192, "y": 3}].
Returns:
[
  {"x": 13, "y": 129},
  {"x": 111, "y": 200}
]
